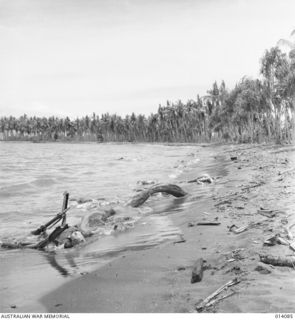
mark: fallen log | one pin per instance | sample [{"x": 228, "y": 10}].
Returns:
[
  {"x": 278, "y": 261},
  {"x": 141, "y": 197}
]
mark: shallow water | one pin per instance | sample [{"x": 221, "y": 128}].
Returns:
[{"x": 33, "y": 178}]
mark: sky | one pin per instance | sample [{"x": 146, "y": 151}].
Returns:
[{"x": 76, "y": 57}]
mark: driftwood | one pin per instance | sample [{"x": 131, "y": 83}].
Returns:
[
  {"x": 237, "y": 230},
  {"x": 259, "y": 184},
  {"x": 268, "y": 213},
  {"x": 208, "y": 223},
  {"x": 197, "y": 272},
  {"x": 278, "y": 261},
  {"x": 208, "y": 301},
  {"x": 141, "y": 197}
]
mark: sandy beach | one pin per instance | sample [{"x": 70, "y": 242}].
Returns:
[{"x": 159, "y": 279}]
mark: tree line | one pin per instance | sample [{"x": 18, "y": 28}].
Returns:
[{"x": 255, "y": 110}]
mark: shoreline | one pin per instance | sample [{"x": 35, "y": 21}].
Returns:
[{"x": 158, "y": 279}]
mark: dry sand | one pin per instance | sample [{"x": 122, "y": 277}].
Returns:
[{"x": 159, "y": 279}]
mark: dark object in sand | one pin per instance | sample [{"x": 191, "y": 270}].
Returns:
[
  {"x": 210, "y": 300},
  {"x": 278, "y": 261},
  {"x": 141, "y": 197},
  {"x": 233, "y": 158},
  {"x": 262, "y": 269},
  {"x": 208, "y": 223},
  {"x": 197, "y": 273}
]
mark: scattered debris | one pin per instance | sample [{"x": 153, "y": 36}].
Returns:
[
  {"x": 278, "y": 261},
  {"x": 209, "y": 301},
  {"x": 197, "y": 272},
  {"x": 236, "y": 270}
]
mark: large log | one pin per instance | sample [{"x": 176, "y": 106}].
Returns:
[{"x": 141, "y": 197}]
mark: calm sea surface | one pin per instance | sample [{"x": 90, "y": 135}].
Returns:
[{"x": 33, "y": 178}]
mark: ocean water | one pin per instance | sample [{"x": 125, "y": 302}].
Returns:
[{"x": 33, "y": 178}]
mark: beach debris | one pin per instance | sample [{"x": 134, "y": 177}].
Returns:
[
  {"x": 255, "y": 185},
  {"x": 205, "y": 178},
  {"x": 282, "y": 241},
  {"x": 288, "y": 233},
  {"x": 236, "y": 254},
  {"x": 237, "y": 230},
  {"x": 270, "y": 241},
  {"x": 181, "y": 268},
  {"x": 81, "y": 200},
  {"x": 292, "y": 246},
  {"x": 233, "y": 228},
  {"x": 58, "y": 305},
  {"x": 180, "y": 240},
  {"x": 197, "y": 272},
  {"x": 277, "y": 239},
  {"x": 235, "y": 269},
  {"x": 145, "y": 182},
  {"x": 262, "y": 269},
  {"x": 208, "y": 223},
  {"x": 268, "y": 213},
  {"x": 210, "y": 300},
  {"x": 278, "y": 261},
  {"x": 171, "y": 189}
]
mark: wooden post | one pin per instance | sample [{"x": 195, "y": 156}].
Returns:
[{"x": 64, "y": 207}]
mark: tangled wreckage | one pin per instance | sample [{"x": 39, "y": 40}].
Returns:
[{"x": 65, "y": 236}]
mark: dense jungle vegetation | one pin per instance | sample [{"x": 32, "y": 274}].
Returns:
[{"x": 255, "y": 110}]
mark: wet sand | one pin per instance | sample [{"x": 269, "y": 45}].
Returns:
[{"x": 158, "y": 279}]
